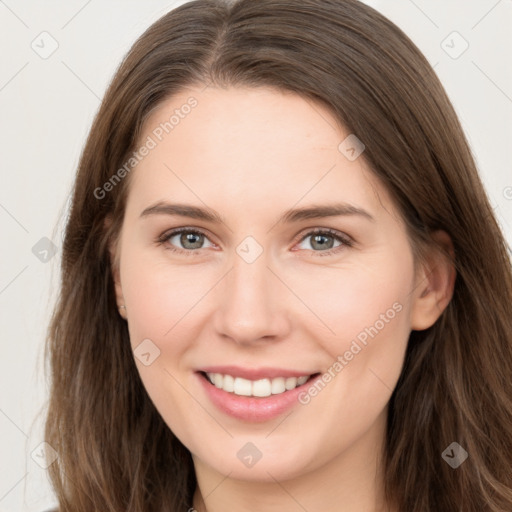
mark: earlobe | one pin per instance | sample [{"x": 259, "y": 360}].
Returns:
[
  {"x": 434, "y": 284},
  {"x": 117, "y": 284}
]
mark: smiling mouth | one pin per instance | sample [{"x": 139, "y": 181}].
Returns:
[{"x": 256, "y": 388}]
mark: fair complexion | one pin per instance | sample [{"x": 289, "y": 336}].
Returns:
[{"x": 250, "y": 155}]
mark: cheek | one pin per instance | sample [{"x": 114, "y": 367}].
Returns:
[
  {"x": 362, "y": 300},
  {"x": 369, "y": 314},
  {"x": 160, "y": 295},
  {"x": 366, "y": 308},
  {"x": 161, "y": 302}
]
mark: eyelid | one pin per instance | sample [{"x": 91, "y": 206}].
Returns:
[
  {"x": 167, "y": 235},
  {"x": 319, "y": 231},
  {"x": 176, "y": 231}
]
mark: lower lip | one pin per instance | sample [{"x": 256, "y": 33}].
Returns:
[{"x": 249, "y": 408}]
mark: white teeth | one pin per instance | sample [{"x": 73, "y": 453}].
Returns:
[
  {"x": 229, "y": 383},
  {"x": 278, "y": 386},
  {"x": 218, "y": 380},
  {"x": 262, "y": 388},
  {"x": 290, "y": 383},
  {"x": 258, "y": 388},
  {"x": 242, "y": 387}
]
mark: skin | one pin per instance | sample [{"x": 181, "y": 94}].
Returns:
[{"x": 250, "y": 154}]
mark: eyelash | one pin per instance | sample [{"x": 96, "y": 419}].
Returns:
[{"x": 344, "y": 239}]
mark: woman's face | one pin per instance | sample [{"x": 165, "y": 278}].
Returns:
[{"x": 273, "y": 291}]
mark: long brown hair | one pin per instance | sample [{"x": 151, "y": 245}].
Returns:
[{"x": 116, "y": 454}]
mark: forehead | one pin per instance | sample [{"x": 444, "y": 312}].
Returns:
[
  {"x": 253, "y": 147},
  {"x": 241, "y": 119}
]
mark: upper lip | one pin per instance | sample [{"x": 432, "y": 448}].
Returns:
[{"x": 255, "y": 373}]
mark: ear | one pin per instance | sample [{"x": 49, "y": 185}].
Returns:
[
  {"x": 435, "y": 281},
  {"x": 114, "y": 265}
]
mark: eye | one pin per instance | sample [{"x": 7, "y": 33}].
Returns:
[
  {"x": 190, "y": 240},
  {"x": 323, "y": 240}
]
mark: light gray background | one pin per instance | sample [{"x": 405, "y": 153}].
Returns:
[{"x": 47, "y": 106}]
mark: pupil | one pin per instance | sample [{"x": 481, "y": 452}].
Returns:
[{"x": 189, "y": 238}]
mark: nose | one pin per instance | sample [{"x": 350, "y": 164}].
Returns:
[{"x": 252, "y": 303}]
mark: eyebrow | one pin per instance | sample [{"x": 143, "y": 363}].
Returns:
[{"x": 290, "y": 216}]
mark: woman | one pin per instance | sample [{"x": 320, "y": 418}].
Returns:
[{"x": 283, "y": 286}]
